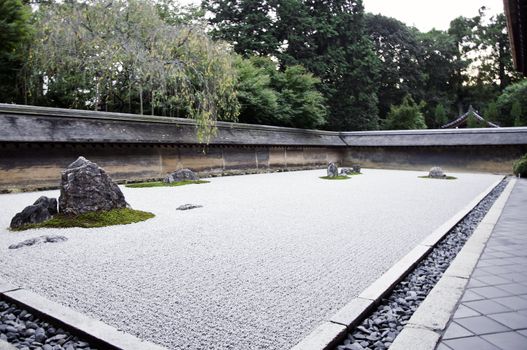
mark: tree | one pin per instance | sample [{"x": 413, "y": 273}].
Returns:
[
  {"x": 439, "y": 52},
  {"x": 269, "y": 96},
  {"x": 513, "y": 97},
  {"x": 299, "y": 101},
  {"x": 405, "y": 116},
  {"x": 493, "y": 54},
  {"x": 516, "y": 113},
  {"x": 328, "y": 38},
  {"x": 15, "y": 31},
  {"x": 400, "y": 51},
  {"x": 440, "y": 116},
  {"x": 258, "y": 100},
  {"x": 122, "y": 56},
  {"x": 247, "y": 24},
  {"x": 491, "y": 112}
]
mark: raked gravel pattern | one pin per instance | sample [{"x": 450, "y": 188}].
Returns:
[
  {"x": 378, "y": 331},
  {"x": 264, "y": 261}
]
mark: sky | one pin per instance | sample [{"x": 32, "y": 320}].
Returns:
[{"x": 428, "y": 14}]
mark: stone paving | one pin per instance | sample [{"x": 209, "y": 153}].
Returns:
[{"x": 492, "y": 314}]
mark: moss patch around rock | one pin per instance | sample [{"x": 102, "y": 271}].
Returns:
[
  {"x": 93, "y": 219},
  {"x": 339, "y": 177},
  {"x": 164, "y": 184},
  {"x": 438, "y": 178}
]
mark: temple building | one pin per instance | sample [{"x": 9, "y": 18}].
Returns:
[
  {"x": 471, "y": 119},
  {"x": 516, "y": 12}
]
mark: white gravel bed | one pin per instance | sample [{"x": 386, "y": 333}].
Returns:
[{"x": 265, "y": 260}]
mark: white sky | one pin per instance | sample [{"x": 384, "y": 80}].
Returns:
[{"x": 428, "y": 14}]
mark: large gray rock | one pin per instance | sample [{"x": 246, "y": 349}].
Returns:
[
  {"x": 333, "y": 171},
  {"x": 43, "y": 209},
  {"x": 38, "y": 240},
  {"x": 86, "y": 187},
  {"x": 436, "y": 173},
  {"x": 181, "y": 175}
]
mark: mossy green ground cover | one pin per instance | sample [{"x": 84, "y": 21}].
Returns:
[
  {"x": 93, "y": 219},
  {"x": 164, "y": 184},
  {"x": 340, "y": 177},
  {"x": 438, "y": 178}
]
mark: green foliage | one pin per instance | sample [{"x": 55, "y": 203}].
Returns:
[
  {"x": 258, "y": 100},
  {"x": 511, "y": 104},
  {"x": 300, "y": 104},
  {"x": 405, "y": 116},
  {"x": 438, "y": 178},
  {"x": 491, "y": 112},
  {"x": 338, "y": 177},
  {"x": 516, "y": 113},
  {"x": 122, "y": 56},
  {"x": 400, "y": 51},
  {"x": 165, "y": 184},
  {"x": 269, "y": 96},
  {"x": 15, "y": 31},
  {"x": 440, "y": 116},
  {"x": 520, "y": 166},
  {"x": 473, "y": 122},
  {"x": 326, "y": 38},
  {"x": 93, "y": 219},
  {"x": 247, "y": 24}
]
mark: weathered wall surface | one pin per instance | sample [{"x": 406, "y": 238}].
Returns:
[
  {"x": 37, "y": 143},
  {"x": 491, "y": 159}
]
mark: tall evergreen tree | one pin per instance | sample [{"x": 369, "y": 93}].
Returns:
[
  {"x": 400, "y": 51},
  {"x": 247, "y": 24},
  {"x": 329, "y": 39},
  {"x": 15, "y": 30}
]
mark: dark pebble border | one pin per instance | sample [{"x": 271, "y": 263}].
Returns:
[
  {"x": 25, "y": 331},
  {"x": 378, "y": 331}
]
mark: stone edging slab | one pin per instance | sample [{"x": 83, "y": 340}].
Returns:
[
  {"x": 330, "y": 333},
  {"x": 94, "y": 331},
  {"x": 431, "y": 317}
]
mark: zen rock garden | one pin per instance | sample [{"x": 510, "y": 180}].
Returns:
[
  {"x": 85, "y": 188},
  {"x": 220, "y": 251}
]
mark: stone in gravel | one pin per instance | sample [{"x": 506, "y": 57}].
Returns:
[
  {"x": 355, "y": 346},
  {"x": 333, "y": 171},
  {"x": 181, "y": 175},
  {"x": 85, "y": 187},
  {"x": 188, "y": 206},
  {"x": 38, "y": 240},
  {"x": 356, "y": 168},
  {"x": 47, "y": 347},
  {"x": 42, "y": 210},
  {"x": 436, "y": 173}
]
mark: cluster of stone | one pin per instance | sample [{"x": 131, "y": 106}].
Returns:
[
  {"x": 379, "y": 330},
  {"x": 43, "y": 209},
  {"x": 181, "y": 175},
  {"x": 436, "y": 173},
  {"x": 355, "y": 169},
  {"x": 333, "y": 170},
  {"x": 38, "y": 240},
  {"x": 189, "y": 206},
  {"x": 25, "y": 331},
  {"x": 84, "y": 187}
]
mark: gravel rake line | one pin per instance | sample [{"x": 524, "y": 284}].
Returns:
[{"x": 378, "y": 331}]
